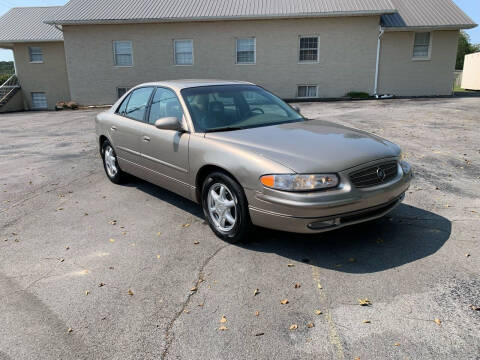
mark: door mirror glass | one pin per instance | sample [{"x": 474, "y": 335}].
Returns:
[{"x": 169, "y": 123}]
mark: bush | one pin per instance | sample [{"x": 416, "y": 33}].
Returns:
[
  {"x": 358, "y": 95},
  {"x": 4, "y": 77}
]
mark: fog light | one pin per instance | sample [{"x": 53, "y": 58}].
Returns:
[{"x": 324, "y": 224}]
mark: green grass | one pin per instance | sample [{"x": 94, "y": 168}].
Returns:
[
  {"x": 358, "y": 95},
  {"x": 459, "y": 89}
]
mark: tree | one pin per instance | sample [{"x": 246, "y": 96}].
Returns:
[{"x": 465, "y": 47}]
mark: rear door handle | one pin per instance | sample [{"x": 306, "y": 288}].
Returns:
[
  {"x": 146, "y": 139},
  {"x": 113, "y": 128}
]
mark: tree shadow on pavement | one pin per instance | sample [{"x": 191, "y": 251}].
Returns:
[{"x": 405, "y": 235}]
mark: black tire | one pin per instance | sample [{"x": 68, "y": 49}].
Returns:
[
  {"x": 243, "y": 224},
  {"x": 119, "y": 176}
]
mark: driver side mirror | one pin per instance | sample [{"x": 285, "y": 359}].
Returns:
[
  {"x": 296, "y": 108},
  {"x": 169, "y": 123}
]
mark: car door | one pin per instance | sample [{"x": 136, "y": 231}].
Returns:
[
  {"x": 165, "y": 152},
  {"x": 129, "y": 126}
]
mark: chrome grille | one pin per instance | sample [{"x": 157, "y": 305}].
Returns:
[{"x": 374, "y": 175}]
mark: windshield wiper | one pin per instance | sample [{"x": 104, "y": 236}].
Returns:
[{"x": 228, "y": 128}]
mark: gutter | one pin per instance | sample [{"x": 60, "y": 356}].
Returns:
[{"x": 377, "y": 65}]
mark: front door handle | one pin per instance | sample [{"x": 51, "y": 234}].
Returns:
[
  {"x": 113, "y": 128},
  {"x": 146, "y": 139}
]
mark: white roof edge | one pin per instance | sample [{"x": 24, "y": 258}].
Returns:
[
  {"x": 432, "y": 27},
  {"x": 223, "y": 18}
]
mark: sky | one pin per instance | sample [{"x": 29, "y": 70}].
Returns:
[{"x": 471, "y": 7}]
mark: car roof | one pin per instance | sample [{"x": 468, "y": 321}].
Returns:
[{"x": 191, "y": 83}]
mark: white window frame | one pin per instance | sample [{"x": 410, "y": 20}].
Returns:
[
  {"x": 254, "y": 50},
  {"x": 175, "y": 52},
  {"x": 115, "y": 53},
  {"x": 300, "y": 37},
  {"x": 422, "y": 58},
  {"x": 30, "y": 54},
  {"x": 33, "y": 102},
  {"x": 307, "y": 97}
]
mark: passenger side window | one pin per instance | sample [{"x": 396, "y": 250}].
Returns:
[
  {"x": 137, "y": 105},
  {"x": 165, "y": 104}
]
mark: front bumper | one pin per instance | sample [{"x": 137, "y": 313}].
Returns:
[{"x": 323, "y": 211}]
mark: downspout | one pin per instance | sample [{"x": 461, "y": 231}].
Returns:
[{"x": 377, "y": 67}]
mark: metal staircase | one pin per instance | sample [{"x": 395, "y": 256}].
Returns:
[{"x": 9, "y": 89}]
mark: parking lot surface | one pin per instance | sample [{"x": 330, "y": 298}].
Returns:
[{"x": 93, "y": 270}]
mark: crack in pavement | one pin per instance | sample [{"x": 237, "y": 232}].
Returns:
[{"x": 168, "y": 338}]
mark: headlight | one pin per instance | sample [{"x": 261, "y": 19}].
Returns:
[
  {"x": 300, "y": 182},
  {"x": 406, "y": 167}
]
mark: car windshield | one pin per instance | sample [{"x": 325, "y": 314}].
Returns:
[{"x": 234, "y": 107}]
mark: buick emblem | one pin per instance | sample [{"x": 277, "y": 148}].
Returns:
[{"x": 381, "y": 174}]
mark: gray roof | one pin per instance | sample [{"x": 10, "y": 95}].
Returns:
[
  {"x": 134, "y": 11},
  {"x": 427, "y": 14},
  {"x": 27, "y": 24}
]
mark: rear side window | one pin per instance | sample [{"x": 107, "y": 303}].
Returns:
[
  {"x": 137, "y": 105},
  {"x": 165, "y": 104}
]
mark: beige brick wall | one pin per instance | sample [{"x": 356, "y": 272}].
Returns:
[
  {"x": 347, "y": 55},
  {"x": 400, "y": 75},
  {"x": 49, "y": 77}
]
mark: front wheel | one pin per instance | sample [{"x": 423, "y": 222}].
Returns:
[
  {"x": 110, "y": 163},
  {"x": 225, "y": 207}
]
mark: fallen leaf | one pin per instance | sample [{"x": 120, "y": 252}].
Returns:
[
  {"x": 101, "y": 284},
  {"x": 130, "y": 292},
  {"x": 318, "y": 312},
  {"x": 319, "y": 286},
  {"x": 124, "y": 233},
  {"x": 111, "y": 240},
  {"x": 367, "y": 322},
  {"x": 194, "y": 288},
  {"x": 196, "y": 242},
  {"x": 284, "y": 302},
  {"x": 69, "y": 330},
  {"x": 467, "y": 255},
  {"x": 223, "y": 319},
  {"x": 87, "y": 292},
  {"x": 255, "y": 292},
  {"x": 364, "y": 302},
  {"x": 113, "y": 222},
  {"x": 222, "y": 328},
  {"x": 438, "y": 321},
  {"x": 159, "y": 233},
  {"x": 59, "y": 209},
  {"x": 290, "y": 265},
  {"x": 475, "y": 308},
  {"x": 201, "y": 305},
  {"x": 259, "y": 334},
  {"x": 294, "y": 327},
  {"x": 296, "y": 286},
  {"x": 158, "y": 256},
  {"x": 85, "y": 214},
  {"x": 186, "y": 311},
  {"x": 397, "y": 344},
  {"x": 257, "y": 313},
  {"x": 61, "y": 260},
  {"x": 185, "y": 225},
  {"x": 310, "y": 325},
  {"x": 67, "y": 247}
]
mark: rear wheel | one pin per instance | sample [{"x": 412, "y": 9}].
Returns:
[
  {"x": 110, "y": 163},
  {"x": 225, "y": 207}
]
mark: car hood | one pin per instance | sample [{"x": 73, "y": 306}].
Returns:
[{"x": 312, "y": 146}]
